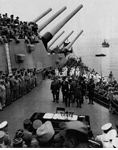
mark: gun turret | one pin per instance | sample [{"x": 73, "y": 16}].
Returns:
[
  {"x": 42, "y": 26},
  {"x": 42, "y": 15},
  {"x": 49, "y": 35},
  {"x": 60, "y": 44},
  {"x": 55, "y": 39}
]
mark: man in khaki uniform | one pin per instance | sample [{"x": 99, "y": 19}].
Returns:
[{"x": 2, "y": 93}]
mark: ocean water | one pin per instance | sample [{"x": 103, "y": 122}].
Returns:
[{"x": 87, "y": 50}]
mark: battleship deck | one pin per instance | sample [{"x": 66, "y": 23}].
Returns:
[{"x": 40, "y": 100}]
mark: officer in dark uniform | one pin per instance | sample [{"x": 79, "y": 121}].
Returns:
[
  {"x": 58, "y": 86},
  {"x": 64, "y": 88},
  {"x": 70, "y": 92},
  {"x": 78, "y": 94},
  {"x": 82, "y": 83},
  {"x": 74, "y": 86},
  {"x": 53, "y": 89},
  {"x": 91, "y": 87}
]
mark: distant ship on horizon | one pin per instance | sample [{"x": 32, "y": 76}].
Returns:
[{"x": 105, "y": 44}]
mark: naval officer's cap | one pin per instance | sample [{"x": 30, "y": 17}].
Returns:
[
  {"x": 106, "y": 127},
  {"x": 19, "y": 133},
  {"x": 17, "y": 142},
  {"x": 3, "y": 125}
]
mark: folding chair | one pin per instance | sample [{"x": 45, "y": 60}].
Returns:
[{"x": 60, "y": 110}]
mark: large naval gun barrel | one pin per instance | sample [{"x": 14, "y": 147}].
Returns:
[
  {"x": 43, "y": 25},
  {"x": 59, "y": 45},
  {"x": 71, "y": 43},
  {"x": 49, "y": 35},
  {"x": 55, "y": 39},
  {"x": 42, "y": 15}
]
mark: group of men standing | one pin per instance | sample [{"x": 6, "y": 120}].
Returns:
[
  {"x": 73, "y": 89},
  {"x": 14, "y": 86}
]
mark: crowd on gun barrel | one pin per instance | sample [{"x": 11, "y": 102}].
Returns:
[
  {"x": 14, "y": 86},
  {"x": 12, "y": 28}
]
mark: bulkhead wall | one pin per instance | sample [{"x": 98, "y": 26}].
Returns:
[
  {"x": 3, "y": 58},
  {"x": 36, "y": 59}
]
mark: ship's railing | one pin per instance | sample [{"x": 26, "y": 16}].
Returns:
[
  {"x": 113, "y": 107},
  {"x": 102, "y": 100}
]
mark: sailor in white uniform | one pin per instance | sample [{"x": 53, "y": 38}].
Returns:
[
  {"x": 105, "y": 128},
  {"x": 115, "y": 142},
  {"x": 107, "y": 143},
  {"x": 72, "y": 71},
  {"x": 56, "y": 72},
  {"x": 2, "y": 145},
  {"x": 4, "y": 128},
  {"x": 77, "y": 72},
  {"x": 64, "y": 71}
]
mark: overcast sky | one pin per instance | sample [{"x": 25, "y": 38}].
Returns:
[{"x": 98, "y": 18}]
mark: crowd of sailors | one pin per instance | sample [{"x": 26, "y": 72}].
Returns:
[
  {"x": 13, "y": 28},
  {"x": 72, "y": 134},
  {"x": 76, "y": 84},
  {"x": 108, "y": 90},
  {"x": 14, "y": 86},
  {"x": 73, "y": 90}
]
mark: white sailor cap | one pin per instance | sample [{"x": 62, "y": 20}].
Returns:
[
  {"x": 115, "y": 142},
  {"x": 3, "y": 124},
  {"x": 106, "y": 126},
  {"x": 111, "y": 134}
]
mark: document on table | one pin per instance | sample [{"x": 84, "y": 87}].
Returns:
[{"x": 48, "y": 116}]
